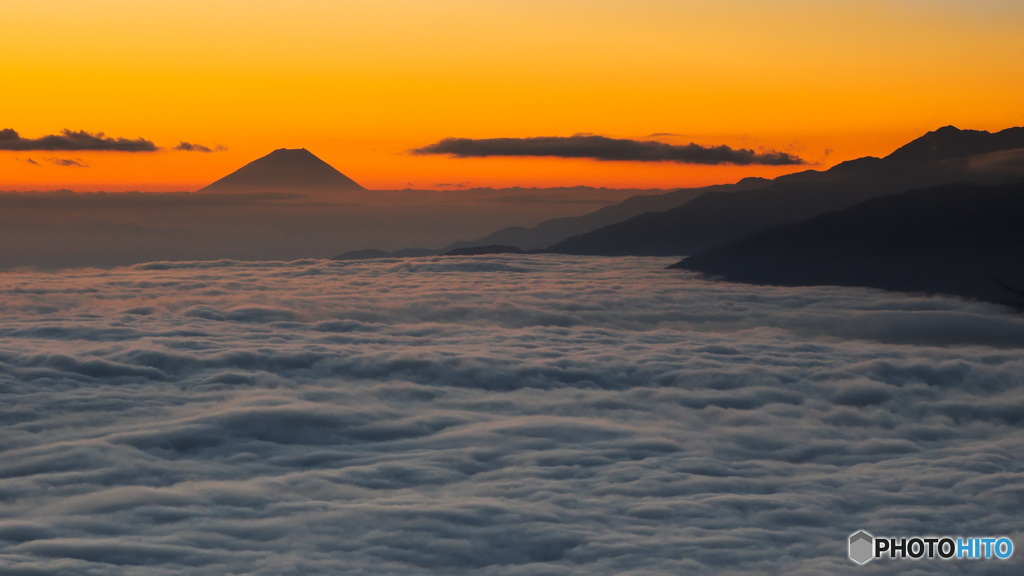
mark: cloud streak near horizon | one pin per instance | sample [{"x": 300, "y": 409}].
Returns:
[
  {"x": 191, "y": 147},
  {"x": 606, "y": 149},
  {"x": 492, "y": 415},
  {"x": 70, "y": 140},
  {"x": 68, "y": 162}
]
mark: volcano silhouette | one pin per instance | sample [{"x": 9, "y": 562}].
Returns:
[{"x": 285, "y": 170}]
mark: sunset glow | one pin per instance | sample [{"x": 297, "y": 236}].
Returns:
[
  {"x": 362, "y": 84},
  {"x": 511, "y": 287}
]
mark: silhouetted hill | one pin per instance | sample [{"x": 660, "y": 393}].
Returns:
[
  {"x": 951, "y": 142},
  {"x": 372, "y": 253},
  {"x": 414, "y": 253},
  {"x": 285, "y": 170},
  {"x": 954, "y": 239},
  {"x": 555, "y": 230},
  {"x": 481, "y": 250},
  {"x": 715, "y": 218},
  {"x": 367, "y": 254}
]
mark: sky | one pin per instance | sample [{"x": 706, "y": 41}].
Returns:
[{"x": 365, "y": 84}]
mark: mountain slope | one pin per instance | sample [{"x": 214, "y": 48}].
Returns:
[
  {"x": 555, "y": 230},
  {"x": 285, "y": 170},
  {"x": 951, "y": 142},
  {"x": 954, "y": 239},
  {"x": 714, "y": 219}
]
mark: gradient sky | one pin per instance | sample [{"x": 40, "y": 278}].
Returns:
[{"x": 362, "y": 83}]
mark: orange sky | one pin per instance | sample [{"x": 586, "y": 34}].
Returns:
[{"x": 362, "y": 83}]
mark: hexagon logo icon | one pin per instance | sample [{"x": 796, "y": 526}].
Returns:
[{"x": 861, "y": 547}]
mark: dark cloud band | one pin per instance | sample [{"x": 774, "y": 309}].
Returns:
[
  {"x": 191, "y": 147},
  {"x": 69, "y": 140},
  {"x": 606, "y": 149}
]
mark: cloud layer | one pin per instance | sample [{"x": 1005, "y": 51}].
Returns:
[
  {"x": 493, "y": 415},
  {"x": 70, "y": 140},
  {"x": 64, "y": 229},
  {"x": 604, "y": 148}
]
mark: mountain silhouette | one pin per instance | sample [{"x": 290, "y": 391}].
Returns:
[
  {"x": 484, "y": 250},
  {"x": 951, "y": 142},
  {"x": 285, "y": 170},
  {"x": 717, "y": 218},
  {"x": 373, "y": 253},
  {"x": 958, "y": 239},
  {"x": 555, "y": 230}
]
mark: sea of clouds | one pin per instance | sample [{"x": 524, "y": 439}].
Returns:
[{"x": 510, "y": 415}]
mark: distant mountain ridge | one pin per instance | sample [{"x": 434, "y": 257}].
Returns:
[
  {"x": 715, "y": 218},
  {"x": 966, "y": 240},
  {"x": 951, "y": 142},
  {"x": 555, "y": 230},
  {"x": 285, "y": 170}
]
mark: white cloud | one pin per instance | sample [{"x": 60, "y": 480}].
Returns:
[{"x": 492, "y": 415}]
